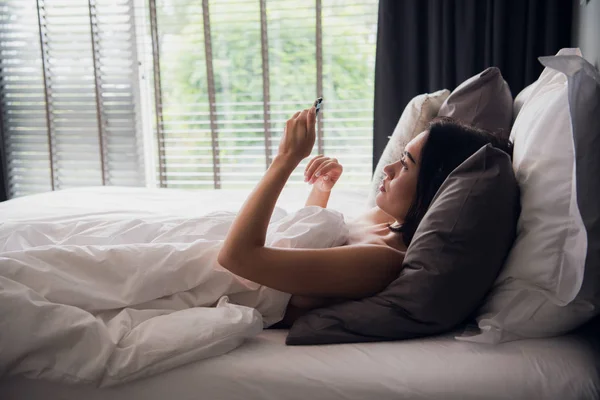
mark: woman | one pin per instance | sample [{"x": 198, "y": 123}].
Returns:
[{"x": 373, "y": 255}]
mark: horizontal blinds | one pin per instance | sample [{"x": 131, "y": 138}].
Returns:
[
  {"x": 349, "y": 40},
  {"x": 23, "y": 100},
  {"x": 117, "y": 73},
  {"x": 262, "y": 63},
  {"x": 217, "y": 81},
  {"x": 70, "y": 78},
  {"x": 70, "y": 94}
]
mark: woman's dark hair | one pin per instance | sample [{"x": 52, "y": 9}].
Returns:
[{"x": 449, "y": 143}]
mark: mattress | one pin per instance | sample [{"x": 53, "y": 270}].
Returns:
[
  {"x": 431, "y": 368},
  {"x": 264, "y": 367}
]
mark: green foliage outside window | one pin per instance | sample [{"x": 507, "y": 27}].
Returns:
[{"x": 348, "y": 73}]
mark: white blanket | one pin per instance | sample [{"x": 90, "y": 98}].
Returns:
[{"x": 104, "y": 299}]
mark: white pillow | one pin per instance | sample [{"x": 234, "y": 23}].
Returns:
[
  {"x": 414, "y": 119},
  {"x": 544, "y": 269},
  {"x": 521, "y": 99}
]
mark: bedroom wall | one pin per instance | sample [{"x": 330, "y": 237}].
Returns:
[{"x": 586, "y": 29}]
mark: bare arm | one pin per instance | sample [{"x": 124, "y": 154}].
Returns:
[
  {"x": 249, "y": 229},
  {"x": 317, "y": 198},
  {"x": 348, "y": 271}
]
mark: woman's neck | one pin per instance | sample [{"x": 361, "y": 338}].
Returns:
[{"x": 377, "y": 216}]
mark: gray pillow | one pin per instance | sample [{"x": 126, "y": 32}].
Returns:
[
  {"x": 452, "y": 261},
  {"x": 484, "y": 100}
]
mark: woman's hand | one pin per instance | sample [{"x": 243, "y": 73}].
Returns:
[
  {"x": 299, "y": 135},
  {"x": 324, "y": 172}
]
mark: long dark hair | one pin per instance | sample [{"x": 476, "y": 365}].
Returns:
[{"x": 449, "y": 143}]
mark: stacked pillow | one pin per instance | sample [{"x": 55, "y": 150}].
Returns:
[
  {"x": 483, "y": 101},
  {"x": 470, "y": 226},
  {"x": 551, "y": 280}
]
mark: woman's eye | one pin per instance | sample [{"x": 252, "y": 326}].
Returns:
[{"x": 404, "y": 166}]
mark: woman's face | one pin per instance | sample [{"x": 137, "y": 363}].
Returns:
[{"x": 398, "y": 189}]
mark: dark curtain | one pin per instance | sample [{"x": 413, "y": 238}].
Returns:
[{"x": 427, "y": 45}]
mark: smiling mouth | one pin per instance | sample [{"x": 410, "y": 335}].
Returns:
[{"x": 382, "y": 188}]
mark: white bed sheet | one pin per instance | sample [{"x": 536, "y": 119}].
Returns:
[
  {"x": 143, "y": 202},
  {"x": 265, "y": 368},
  {"x": 124, "y": 274}
]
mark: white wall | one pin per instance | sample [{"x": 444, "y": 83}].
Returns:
[{"x": 586, "y": 29}]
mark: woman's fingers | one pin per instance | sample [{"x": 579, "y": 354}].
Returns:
[
  {"x": 298, "y": 139},
  {"x": 328, "y": 167},
  {"x": 312, "y": 166},
  {"x": 302, "y": 115},
  {"x": 298, "y": 136},
  {"x": 311, "y": 119},
  {"x": 310, "y": 163},
  {"x": 323, "y": 169},
  {"x": 321, "y": 166}
]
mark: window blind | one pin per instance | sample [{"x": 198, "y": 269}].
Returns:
[
  {"x": 233, "y": 71},
  {"x": 180, "y": 93},
  {"x": 69, "y": 94}
]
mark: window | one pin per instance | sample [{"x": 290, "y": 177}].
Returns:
[
  {"x": 180, "y": 93},
  {"x": 69, "y": 95}
]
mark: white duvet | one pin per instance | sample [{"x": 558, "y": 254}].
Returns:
[{"x": 105, "y": 298}]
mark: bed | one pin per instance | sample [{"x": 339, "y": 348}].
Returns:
[
  {"x": 432, "y": 368},
  {"x": 264, "y": 367}
]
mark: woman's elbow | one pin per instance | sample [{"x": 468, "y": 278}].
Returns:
[
  {"x": 234, "y": 261},
  {"x": 225, "y": 259},
  {"x": 240, "y": 262}
]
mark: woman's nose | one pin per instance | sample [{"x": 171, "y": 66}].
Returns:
[{"x": 389, "y": 170}]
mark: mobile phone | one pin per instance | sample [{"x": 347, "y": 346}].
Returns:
[{"x": 318, "y": 103}]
